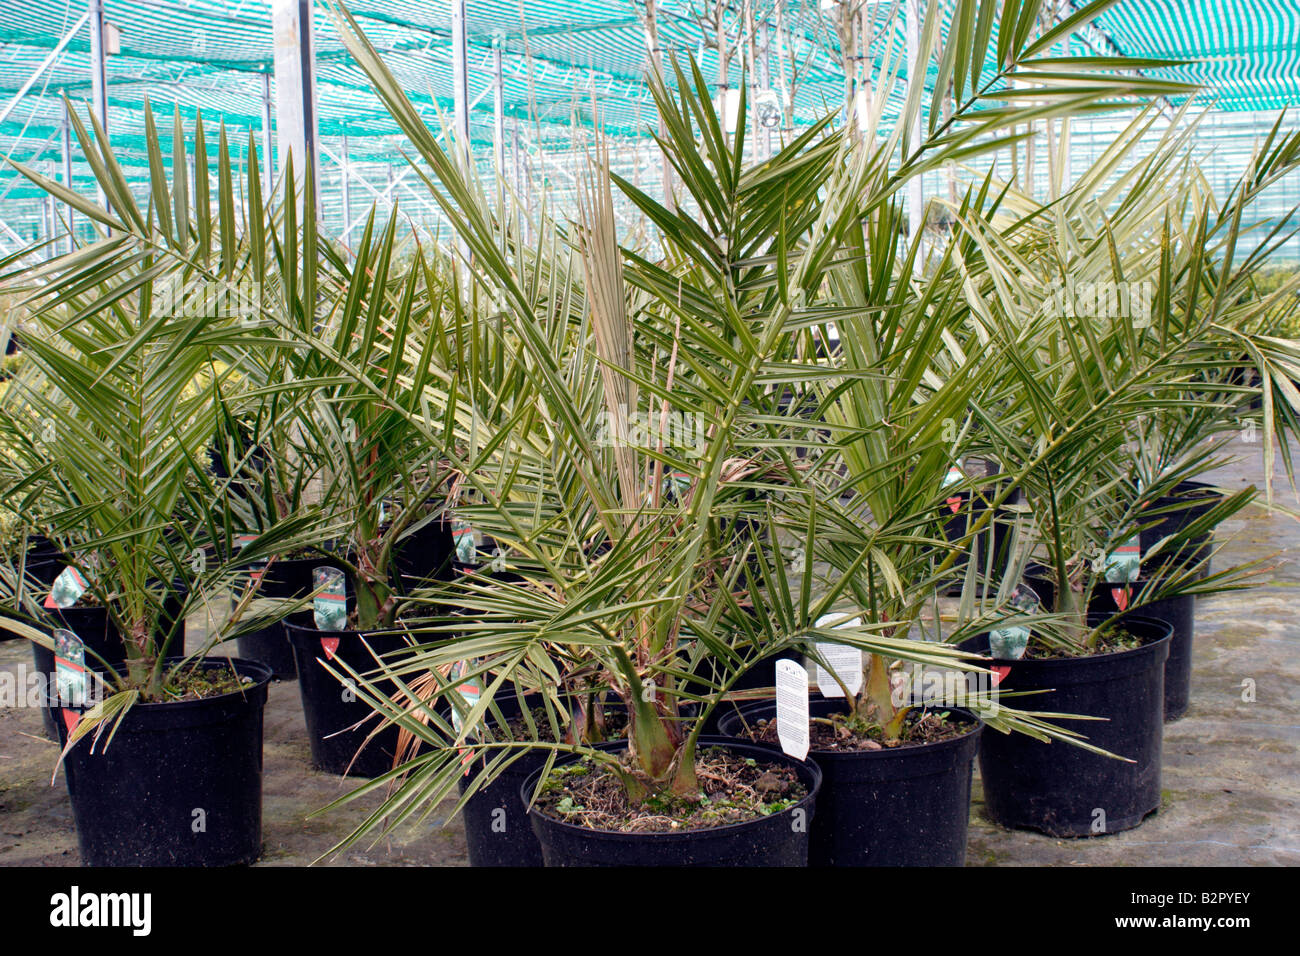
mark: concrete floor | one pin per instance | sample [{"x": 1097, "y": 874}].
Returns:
[{"x": 1231, "y": 769}]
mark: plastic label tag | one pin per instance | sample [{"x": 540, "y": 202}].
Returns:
[
  {"x": 792, "y": 708},
  {"x": 71, "y": 681},
  {"x": 954, "y": 475},
  {"x": 1009, "y": 641},
  {"x": 470, "y": 692},
  {"x": 676, "y": 485},
  {"x": 1120, "y": 596},
  {"x": 331, "y": 604},
  {"x": 466, "y": 541},
  {"x": 67, "y": 589},
  {"x": 1124, "y": 564},
  {"x": 845, "y": 662},
  {"x": 259, "y": 567}
]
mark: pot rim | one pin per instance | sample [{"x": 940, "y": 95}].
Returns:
[
  {"x": 261, "y": 674},
  {"x": 1148, "y": 647}
]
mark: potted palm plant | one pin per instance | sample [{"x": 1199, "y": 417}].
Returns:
[
  {"x": 1079, "y": 384},
  {"x": 161, "y": 749}
]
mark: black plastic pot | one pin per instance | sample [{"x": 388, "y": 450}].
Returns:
[
  {"x": 270, "y": 646},
  {"x": 180, "y": 785},
  {"x": 291, "y": 577},
  {"x": 425, "y": 555},
  {"x": 331, "y": 708},
  {"x": 970, "y": 509},
  {"x": 1205, "y": 497},
  {"x": 1065, "y": 791},
  {"x": 907, "y": 806},
  {"x": 777, "y": 840},
  {"x": 1178, "y": 612},
  {"x": 497, "y": 831}
]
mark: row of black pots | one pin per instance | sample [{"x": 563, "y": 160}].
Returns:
[
  {"x": 891, "y": 807},
  {"x": 427, "y": 552},
  {"x": 103, "y": 643}
]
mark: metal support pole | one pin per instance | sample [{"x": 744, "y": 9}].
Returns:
[
  {"x": 98, "y": 73},
  {"x": 67, "y": 172},
  {"x": 499, "y": 125},
  {"x": 656, "y": 64},
  {"x": 915, "y": 74},
  {"x": 268, "y": 151},
  {"x": 460, "y": 76},
  {"x": 345, "y": 185},
  {"x": 295, "y": 92}
]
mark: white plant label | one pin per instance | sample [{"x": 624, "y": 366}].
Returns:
[
  {"x": 845, "y": 662},
  {"x": 330, "y": 605},
  {"x": 954, "y": 475},
  {"x": 792, "y": 708}
]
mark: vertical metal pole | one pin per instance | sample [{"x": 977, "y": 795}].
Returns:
[
  {"x": 499, "y": 126},
  {"x": 98, "y": 72},
  {"x": 295, "y": 92},
  {"x": 67, "y": 174},
  {"x": 765, "y": 79},
  {"x": 98, "y": 75},
  {"x": 268, "y": 153},
  {"x": 656, "y": 64},
  {"x": 48, "y": 220},
  {"x": 460, "y": 76},
  {"x": 915, "y": 74},
  {"x": 460, "y": 91},
  {"x": 345, "y": 185}
]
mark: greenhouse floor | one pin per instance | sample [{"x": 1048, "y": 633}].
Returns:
[{"x": 1231, "y": 767}]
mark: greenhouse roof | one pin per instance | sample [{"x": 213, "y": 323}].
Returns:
[{"x": 558, "y": 59}]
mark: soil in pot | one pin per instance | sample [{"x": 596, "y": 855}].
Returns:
[
  {"x": 332, "y": 709},
  {"x": 758, "y": 806},
  {"x": 906, "y": 805},
  {"x": 1065, "y": 791},
  {"x": 181, "y": 783}
]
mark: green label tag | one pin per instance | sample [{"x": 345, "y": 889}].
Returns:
[
  {"x": 1009, "y": 641},
  {"x": 331, "y": 603},
  {"x": 68, "y": 588},
  {"x": 466, "y": 541},
  {"x": 72, "y": 682},
  {"x": 1124, "y": 564}
]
